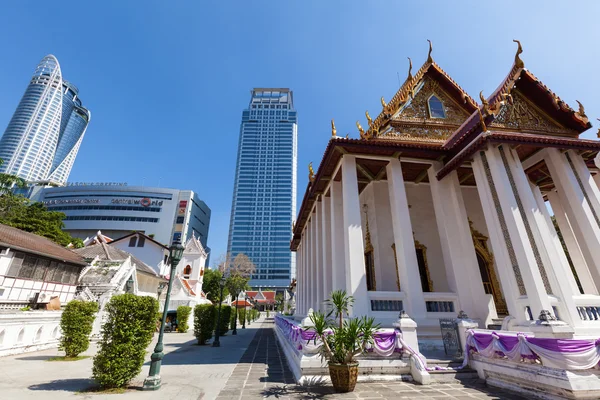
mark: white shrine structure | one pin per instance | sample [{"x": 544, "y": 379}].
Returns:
[{"x": 443, "y": 204}]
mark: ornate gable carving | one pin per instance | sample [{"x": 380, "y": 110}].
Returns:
[
  {"x": 521, "y": 115},
  {"x": 417, "y": 109},
  {"x": 412, "y": 121}
]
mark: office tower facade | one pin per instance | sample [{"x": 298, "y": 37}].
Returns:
[
  {"x": 43, "y": 136},
  {"x": 264, "y": 194}
]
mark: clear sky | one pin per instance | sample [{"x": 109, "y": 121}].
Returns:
[{"x": 166, "y": 81}]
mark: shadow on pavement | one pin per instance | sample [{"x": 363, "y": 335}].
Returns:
[
  {"x": 35, "y": 358},
  {"x": 68, "y": 385}
]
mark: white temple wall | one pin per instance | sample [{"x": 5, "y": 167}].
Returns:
[
  {"x": 474, "y": 209},
  {"x": 385, "y": 238},
  {"x": 422, "y": 217}
]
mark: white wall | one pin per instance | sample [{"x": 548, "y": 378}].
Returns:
[
  {"x": 151, "y": 253},
  {"x": 24, "y": 331},
  {"x": 422, "y": 218},
  {"x": 474, "y": 210}
]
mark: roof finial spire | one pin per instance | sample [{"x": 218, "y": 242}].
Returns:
[
  {"x": 369, "y": 119},
  {"x": 360, "y": 130},
  {"x": 581, "y": 111},
  {"x": 311, "y": 173},
  {"x": 518, "y": 62},
  {"x": 409, "y": 78},
  {"x": 429, "y": 58},
  {"x": 383, "y": 103},
  {"x": 484, "y": 102},
  {"x": 333, "y": 130},
  {"x": 598, "y": 134}
]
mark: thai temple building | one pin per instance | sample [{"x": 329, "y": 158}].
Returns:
[{"x": 448, "y": 204}]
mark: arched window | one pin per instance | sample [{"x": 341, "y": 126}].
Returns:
[
  {"x": 55, "y": 333},
  {"x": 436, "y": 107},
  {"x": 21, "y": 336},
  {"x": 1, "y": 338},
  {"x": 187, "y": 271},
  {"x": 38, "y": 335}
]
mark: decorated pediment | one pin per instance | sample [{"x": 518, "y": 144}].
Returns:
[{"x": 520, "y": 114}]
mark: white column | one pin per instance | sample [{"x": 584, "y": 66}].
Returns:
[
  {"x": 354, "y": 250},
  {"x": 327, "y": 250},
  {"x": 516, "y": 229},
  {"x": 314, "y": 298},
  {"x": 337, "y": 238},
  {"x": 462, "y": 269},
  {"x": 581, "y": 213},
  {"x": 319, "y": 253},
  {"x": 298, "y": 277},
  {"x": 408, "y": 267},
  {"x": 306, "y": 288},
  {"x": 581, "y": 268},
  {"x": 502, "y": 258}
]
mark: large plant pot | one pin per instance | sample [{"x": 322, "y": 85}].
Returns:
[{"x": 343, "y": 376}]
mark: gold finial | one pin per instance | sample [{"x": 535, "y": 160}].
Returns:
[
  {"x": 409, "y": 78},
  {"x": 311, "y": 173},
  {"x": 581, "y": 111},
  {"x": 347, "y": 135},
  {"x": 518, "y": 62},
  {"x": 507, "y": 98},
  {"x": 369, "y": 118},
  {"x": 361, "y": 130},
  {"x": 483, "y": 126},
  {"x": 598, "y": 134},
  {"x": 484, "y": 102},
  {"x": 429, "y": 58},
  {"x": 465, "y": 98},
  {"x": 333, "y": 130},
  {"x": 383, "y": 103}
]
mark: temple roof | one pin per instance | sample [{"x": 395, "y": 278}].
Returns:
[{"x": 110, "y": 253}]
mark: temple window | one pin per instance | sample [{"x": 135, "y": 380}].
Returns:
[
  {"x": 426, "y": 283},
  {"x": 187, "y": 271},
  {"x": 132, "y": 241},
  {"x": 436, "y": 107}
]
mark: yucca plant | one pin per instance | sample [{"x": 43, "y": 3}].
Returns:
[{"x": 342, "y": 340}]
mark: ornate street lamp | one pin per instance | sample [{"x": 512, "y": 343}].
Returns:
[
  {"x": 152, "y": 382},
  {"x": 237, "y": 295},
  {"x": 245, "y": 302},
  {"x": 217, "y": 342}
]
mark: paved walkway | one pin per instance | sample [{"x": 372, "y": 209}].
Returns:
[
  {"x": 189, "y": 372},
  {"x": 263, "y": 373}
]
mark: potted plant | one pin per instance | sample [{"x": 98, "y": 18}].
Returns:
[{"x": 343, "y": 339}]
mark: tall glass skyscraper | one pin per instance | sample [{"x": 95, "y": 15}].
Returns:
[
  {"x": 264, "y": 193},
  {"x": 43, "y": 137}
]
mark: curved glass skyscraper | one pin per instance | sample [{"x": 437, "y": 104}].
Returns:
[
  {"x": 42, "y": 138},
  {"x": 264, "y": 194}
]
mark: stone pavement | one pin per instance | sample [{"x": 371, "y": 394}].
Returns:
[
  {"x": 188, "y": 371},
  {"x": 263, "y": 373}
]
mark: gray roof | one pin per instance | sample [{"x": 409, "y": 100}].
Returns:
[
  {"x": 32, "y": 243},
  {"x": 110, "y": 253}
]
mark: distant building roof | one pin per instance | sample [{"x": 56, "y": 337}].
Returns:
[
  {"x": 262, "y": 297},
  {"x": 29, "y": 242},
  {"x": 109, "y": 253},
  {"x": 140, "y": 234}
]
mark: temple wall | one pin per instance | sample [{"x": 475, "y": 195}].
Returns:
[
  {"x": 422, "y": 217},
  {"x": 474, "y": 209}
]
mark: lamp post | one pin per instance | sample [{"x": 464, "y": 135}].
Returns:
[
  {"x": 237, "y": 295},
  {"x": 217, "y": 342},
  {"x": 245, "y": 302},
  {"x": 152, "y": 382},
  {"x": 252, "y": 306}
]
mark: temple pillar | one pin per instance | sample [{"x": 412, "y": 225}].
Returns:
[
  {"x": 319, "y": 283},
  {"x": 314, "y": 291},
  {"x": 579, "y": 264},
  {"x": 579, "y": 203},
  {"x": 338, "y": 268},
  {"x": 408, "y": 268},
  {"x": 356, "y": 282},
  {"x": 298, "y": 278},
  {"x": 326, "y": 235},
  {"x": 513, "y": 242},
  {"x": 458, "y": 251}
]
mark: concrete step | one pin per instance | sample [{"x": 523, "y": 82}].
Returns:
[{"x": 448, "y": 375}]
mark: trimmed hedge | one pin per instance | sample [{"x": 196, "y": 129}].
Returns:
[
  {"x": 126, "y": 334},
  {"x": 232, "y": 321},
  {"x": 183, "y": 315},
  {"x": 242, "y": 315},
  {"x": 205, "y": 317},
  {"x": 76, "y": 324},
  {"x": 225, "y": 319}
]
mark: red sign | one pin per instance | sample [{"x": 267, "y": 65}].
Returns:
[{"x": 183, "y": 203}]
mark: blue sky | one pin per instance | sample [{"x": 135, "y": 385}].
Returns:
[{"x": 166, "y": 82}]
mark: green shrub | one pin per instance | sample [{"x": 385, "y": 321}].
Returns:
[
  {"x": 232, "y": 321},
  {"x": 225, "y": 319},
  {"x": 267, "y": 313},
  {"x": 76, "y": 323},
  {"x": 159, "y": 315},
  {"x": 126, "y": 333},
  {"x": 242, "y": 315},
  {"x": 183, "y": 315},
  {"x": 205, "y": 317}
]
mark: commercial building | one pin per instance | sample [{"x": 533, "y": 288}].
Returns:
[
  {"x": 264, "y": 194},
  {"x": 117, "y": 210},
  {"x": 43, "y": 137}
]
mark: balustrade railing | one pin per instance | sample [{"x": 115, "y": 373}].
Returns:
[
  {"x": 441, "y": 302},
  {"x": 588, "y": 307}
]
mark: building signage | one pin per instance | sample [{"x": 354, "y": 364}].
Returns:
[
  {"x": 145, "y": 202},
  {"x": 72, "y": 201},
  {"x": 96, "y": 184},
  {"x": 177, "y": 237}
]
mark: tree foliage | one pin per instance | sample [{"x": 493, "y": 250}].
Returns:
[
  {"x": 205, "y": 316},
  {"x": 238, "y": 271},
  {"x": 183, "y": 315},
  {"x": 76, "y": 324},
  {"x": 211, "y": 285},
  {"x": 126, "y": 334},
  {"x": 225, "y": 319},
  {"x": 17, "y": 211}
]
